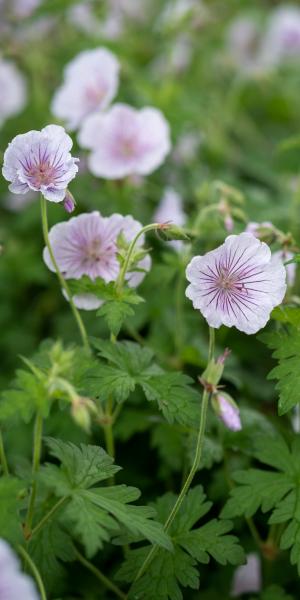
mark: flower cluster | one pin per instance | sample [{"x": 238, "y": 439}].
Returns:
[{"x": 90, "y": 245}]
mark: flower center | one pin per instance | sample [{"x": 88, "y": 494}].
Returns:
[
  {"x": 93, "y": 251},
  {"x": 41, "y": 174},
  {"x": 128, "y": 148}
]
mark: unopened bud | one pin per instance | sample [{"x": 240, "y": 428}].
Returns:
[
  {"x": 69, "y": 202},
  {"x": 81, "y": 411},
  {"x": 227, "y": 410}
]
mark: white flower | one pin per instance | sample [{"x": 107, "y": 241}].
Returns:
[
  {"x": 13, "y": 95},
  {"x": 90, "y": 83},
  {"x": 40, "y": 161},
  {"x": 125, "y": 141},
  {"x": 238, "y": 284},
  {"x": 89, "y": 245},
  {"x": 14, "y": 585}
]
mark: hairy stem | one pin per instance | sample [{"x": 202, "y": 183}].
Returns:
[
  {"x": 34, "y": 571},
  {"x": 109, "y": 584},
  {"x": 37, "y": 447},
  {"x": 193, "y": 470},
  {"x": 61, "y": 279}
]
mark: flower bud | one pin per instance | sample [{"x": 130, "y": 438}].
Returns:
[
  {"x": 69, "y": 202},
  {"x": 227, "y": 410},
  {"x": 81, "y": 411}
]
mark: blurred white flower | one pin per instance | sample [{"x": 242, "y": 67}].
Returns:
[
  {"x": 284, "y": 256},
  {"x": 17, "y": 202},
  {"x": 14, "y": 585},
  {"x": 247, "y": 578},
  {"x": 282, "y": 38},
  {"x": 125, "y": 141},
  {"x": 171, "y": 209},
  {"x": 13, "y": 94},
  {"x": 24, "y": 8},
  {"x": 243, "y": 41},
  {"x": 90, "y": 83}
]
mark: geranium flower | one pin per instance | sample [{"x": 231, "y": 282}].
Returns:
[
  {"x": 125, "y": 141},
  {"x": 40, "y": 161},
  {"x": 90, "y": 83},
  {"x": 13, "y": 94},
  {"x": 13, "y": 583},
  {"x": 238, "y": 284},
  {"x": 89, "y": 245}
]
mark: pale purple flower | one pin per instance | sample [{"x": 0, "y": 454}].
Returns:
[
  {"x": 24, "y": 8},
  {"x": 90, "y": 83},
  {"x": 247, "y": 578},
  {"x": 40, "y": 161},
  {"x": 14, "y": 585},
  {"x": 89, "y": 244},
  {"x": 284, "y": 256},
  {"x": 228, "y": 411},
  {"x": 171, "y": 209},
  {"x": 282, "y": 37},
  {"x": 125, "y": 141},
  {"x": 238, "y": 284},
  {"x": 13, "y": 94}
]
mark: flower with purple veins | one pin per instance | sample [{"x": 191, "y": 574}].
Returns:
[
  {"x": 90, "y": 83},
  {"x": 89, "y": 245},
  {"x": 238, "y": 284},
  {"x": 125, "y": 141},
  {"x": 14, "y": 585},
  {"x": 40, "y": 161}
]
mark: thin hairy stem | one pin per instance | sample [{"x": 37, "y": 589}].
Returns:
[
  {"x": 37, "y": 447},
  {"x": 48, "y": 515},
  {"x": 121, "y": 279},
  {"x": 3, "y": 459}
]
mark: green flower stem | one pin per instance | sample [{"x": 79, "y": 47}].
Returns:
[
  {"x": 34, "y": 571},
  {"x": 121, "y": 279},
  {"x": 37, "y": 447},
  {"x": 193, "y": 470},
  {"x": 108, "y": 584},
  {"x": 3, "y": 456},
  {"x": 61, "y": 279},
  {"x": 48, "y": 515}
]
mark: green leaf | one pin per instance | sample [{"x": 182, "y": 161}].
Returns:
[
  {"x": 276, "y": 490},
  {"x": 286, "y": 344},
  {"x": 94, "y": 514},
  {"x": 115, "y": 313},
  {"x": 192, "y": 545},
  {"x": 10, "y": 522},
  {"x": 49, "y": 548},
  {"x": 274, "y": 592},
  {"x": 129, "y": 365}
]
